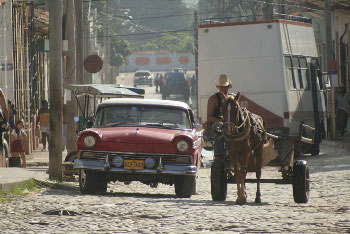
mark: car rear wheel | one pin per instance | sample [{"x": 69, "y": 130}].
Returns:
[
  {"x": 185, "y": 186},
  {"x": 89, "y": 183}
]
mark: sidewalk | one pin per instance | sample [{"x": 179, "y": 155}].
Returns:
[
  {"x": 37, "y": 165},
  {"x": 340, "y": 144}
]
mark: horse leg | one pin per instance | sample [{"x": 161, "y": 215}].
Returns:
[
  {"x": 242, "y": 198},
  {"x": 238, "y": 178},
  {"x": 258, "y": 154}
]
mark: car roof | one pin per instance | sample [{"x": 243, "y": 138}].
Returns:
[
  {"x": 143, "y": 71},
  {"x": 151, "y": 102}
]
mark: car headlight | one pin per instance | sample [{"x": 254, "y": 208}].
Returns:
[
  {"x": 182, "y": 146},
  {"x": 118, "y": 161},
  {"x": 89, "y": 141}
]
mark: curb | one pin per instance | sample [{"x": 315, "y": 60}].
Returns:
[
  {"x": 337, "y": 144},
  {"x": 7, "y": 187},
  {"x": 37, "y": 164},
  {"x": 56, "y": 185}
]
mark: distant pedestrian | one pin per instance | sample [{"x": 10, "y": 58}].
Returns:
[
  {"x": 156, "y": 82},
  {"x": 4, "y": 115},
  {"x": 341, "y": 103},
  {"x": 44, "y": 120},
  {"x": 12, "y": 114},
  {"x": 17, "y": 137},
  {"x": 160, "y": 82},
  {"x": 193, "y": 84}
]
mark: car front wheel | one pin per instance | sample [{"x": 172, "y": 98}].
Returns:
[
  {"x": 185, "y": 186},
  {"x": 89, "y": 184}
]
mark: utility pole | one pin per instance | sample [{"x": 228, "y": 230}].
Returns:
[
  {"x": 196, "y": 51},
  {"x": 106, "y": 46},
  {"x": 86, "y": 35},
  {"x": 329, "y": 49},
  {"x": 268, "y": 10},
  {"x": 223, "y": 8},
  {"x": 196, "y": 43},
  {"x": 79, "y": 39},
  {"x": 55, "y": 56},
  {"x": 70, "y": 76}
]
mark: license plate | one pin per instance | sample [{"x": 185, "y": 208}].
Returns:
[{"x": 134, "y": 164}]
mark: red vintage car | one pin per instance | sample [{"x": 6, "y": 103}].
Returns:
[{"x": 146, "y": 140}]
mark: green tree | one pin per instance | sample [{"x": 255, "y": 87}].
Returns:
[
  {"x": 179, "y": 42},
  {"x": 119, "y": 51}
]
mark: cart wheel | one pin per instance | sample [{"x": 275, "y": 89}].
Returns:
[
  {"x": 301, "y": 181},
  {"x": 218, "y": 180}
]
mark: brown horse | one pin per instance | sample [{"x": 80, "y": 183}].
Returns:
[{"x": 244, "y": 136}]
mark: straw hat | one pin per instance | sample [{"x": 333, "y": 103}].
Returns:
[{"x": 223, "y": 81}]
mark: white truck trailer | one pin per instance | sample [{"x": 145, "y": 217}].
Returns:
[{"x": 273, "y": 64}]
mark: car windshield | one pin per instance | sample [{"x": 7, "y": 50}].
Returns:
[
  {"x": 142, "y": 74},
  {"x": 148, "y": 116}
]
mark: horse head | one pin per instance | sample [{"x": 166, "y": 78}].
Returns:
[{"x": 236, "y": 119}]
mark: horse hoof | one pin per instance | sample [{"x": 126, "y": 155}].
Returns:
[
  {"x": 241, "y": 201},
  {"x": 257, "y": 200}
]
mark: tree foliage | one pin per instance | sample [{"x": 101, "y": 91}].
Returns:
[
  {"x": 119, "y": 50},
  {"x": 179, "y": 42}
]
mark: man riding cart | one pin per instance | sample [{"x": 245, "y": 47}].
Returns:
[{"x": 241, "y": 144}]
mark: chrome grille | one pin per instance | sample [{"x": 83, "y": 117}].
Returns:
[{"x": 167, "y": 159}]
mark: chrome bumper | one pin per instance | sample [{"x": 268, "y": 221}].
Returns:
[
  {"x": 144, "y": 82},
  {"x": 99, "y": 165}
]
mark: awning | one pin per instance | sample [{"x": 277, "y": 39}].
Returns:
[{"x": 103, "y": 91}]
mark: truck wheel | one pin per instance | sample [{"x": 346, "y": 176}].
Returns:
[
  {"x": 88, "y": 182},
  {"x": 301, "y": 181},
  {"x": 185, "y": 186},
  {"x": 187, "y": 94},
  {"x": 163, "y": 95},
  {"x": 218, "y": 181},
  {"x": 315, "y": 149}
]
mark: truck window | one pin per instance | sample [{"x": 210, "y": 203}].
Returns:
[
  {"x": 297, "y": 78},
  {"x": 289, "y": 72},
  {"x": 303, "y": 74}
]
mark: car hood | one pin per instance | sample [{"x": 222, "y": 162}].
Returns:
[{"x": 140, "y": 135}]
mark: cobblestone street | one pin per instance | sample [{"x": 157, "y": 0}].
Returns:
[{"x": 137, "y": 208}]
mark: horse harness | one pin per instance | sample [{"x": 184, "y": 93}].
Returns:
[{"x": 247, "y": 119}]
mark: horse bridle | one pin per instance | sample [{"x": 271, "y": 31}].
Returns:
[{"x": 228, "y": 125}]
